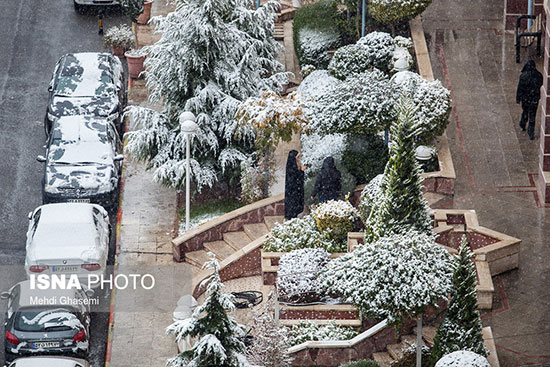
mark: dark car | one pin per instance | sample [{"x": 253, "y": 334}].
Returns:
[
  {"x": 87, "y": 83},
  {"x": 83, "y": 162},
  {"x": 46, "y": 322}
]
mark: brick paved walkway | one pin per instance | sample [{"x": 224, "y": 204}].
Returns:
[{"x": 496, "y": 164}]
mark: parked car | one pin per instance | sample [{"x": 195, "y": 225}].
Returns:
[
  {"x": 87, "y": 83},
  {"x": 49, "y": 362},
  {"x": 46, "y": 322},
  {"x": 68, "y": 238},
  {"x": 80, "y": 4},
  {"x": 83, "y": 162}
]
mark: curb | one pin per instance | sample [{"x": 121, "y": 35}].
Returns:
[{"x": 109, "y": 349}]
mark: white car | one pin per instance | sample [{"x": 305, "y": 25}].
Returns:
[
  {"x": 49, "y": 362},
  {"x": 68, "y": 238}
]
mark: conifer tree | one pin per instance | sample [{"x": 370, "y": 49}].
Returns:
[
  {"x": 402, "y": 206},
  {"x": 219, "y": 335},
  {"x": 460, "y": 330}
]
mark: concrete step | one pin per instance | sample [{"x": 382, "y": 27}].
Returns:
[
  {"x": 197, "y": 258},
  {"x": 428, "y": 334},
  {"x": 383, "y": 359},
  {"x": 255, "y": 230},
  {"x": 271, "y": 220},
  {"x": 237, "y": 240},
  {"x": 395, "y": 350},
  {"x": 220, "y": 248}
]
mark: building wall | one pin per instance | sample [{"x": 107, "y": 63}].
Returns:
[
  {"x": 544, "y": 151},
  {"x": 515, "y": 8}
]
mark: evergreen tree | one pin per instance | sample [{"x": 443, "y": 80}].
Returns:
[
  {"x": 132, "y": 8},
  {"x": 401, "y": 206},
  {"x": 212, "y": 55},
  {"x": 219, "y": 336},
  {"x": 270, "y": 344},
  {"x": 460, "y": 330}
]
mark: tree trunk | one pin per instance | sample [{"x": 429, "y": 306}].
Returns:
[{"x": 419, "y": 341}]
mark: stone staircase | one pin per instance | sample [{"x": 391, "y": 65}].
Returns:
[
  {"x": 232, "y": 241},
  {"x": 394, "y": 352}
]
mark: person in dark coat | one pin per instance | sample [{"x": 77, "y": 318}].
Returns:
[
  {"x": 528, "y": 94},
  {"x": 294, "y": 185},
  {"x": 328, "y": 183}
]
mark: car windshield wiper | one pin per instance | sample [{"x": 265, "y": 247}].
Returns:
[
  {"x": 62, "y": 163},
  {"x": 88, "y": 164}
]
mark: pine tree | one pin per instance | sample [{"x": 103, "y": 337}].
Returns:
[
  {"x": 402, "y": 206},
  {"x": 219, "y": 335},
  {"x": 270, "y": 344},
  {"x": 461, "y": 327},
  {"x": 212, "y": 55}
]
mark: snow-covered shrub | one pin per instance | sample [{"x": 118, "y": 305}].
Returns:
[
  {"x": 350, "y": 59},
  {"x": 365, "y": 156},
  {"x": 119, "y": 36},
  {"x": 432, "y": 101},
  {"x": 310, "y": 331},
  {"x": 463, "y": 359},
  {"x": 408, "y": 358},
  {"x": 297, "y": 274},
  {"x": 335, "y": 218},
  {"x": 392, "y": 278},
  {"x": 211, "y": 82},
  {"x": 380, "y": 47},
  {"x": 315, "y": 148},
  {"x": 253, "y": 181},
  {"x": 299, "y": 233},
  {"x": 314, "y": 44},
  {"x": 369, "y": 197},
  {"x": 306, "y": 70},
  {"x": 393, "y": 11},
  {"x": 132, "y": 8},
  {"x": 361, "y": 363},
  {"x": 361, "y": 104},
  {"x": 404, "y": 42},
  {"x": 316, "y": 84}
]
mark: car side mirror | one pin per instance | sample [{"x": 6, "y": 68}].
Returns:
[
  {"x": 30, "y": 215},
  {"x": 5, "y": 295},
  {"x": 41, "y": 158},
  {"x": 118, "y": 157},
  {"x": 50, "y": 88},
  {"x": 89, "y": 292}
]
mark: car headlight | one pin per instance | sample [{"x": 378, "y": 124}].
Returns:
[
  {"x": 52, "y": 117},
  {"x": 113, "y": 116}
]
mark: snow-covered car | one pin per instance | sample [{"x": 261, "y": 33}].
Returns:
[
  {"x": 46, "y": 322},
  {"x": 80, "y": 4},
  {"x": 49, "y": 362},
  {"x": 68, "y": 238},
  {"x": 83, "y": 162},
  {"x": 87, "y": 83}
]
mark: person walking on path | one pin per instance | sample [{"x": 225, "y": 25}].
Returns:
[
  {"x": 328, "y": 183},
  {"x": 294, "y": 185},
  {"x": 528, "y": 94}
]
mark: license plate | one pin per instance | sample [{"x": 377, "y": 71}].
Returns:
[
  {"x": 64, "y": 268},
  {"x": 78, "y": 200},
  {"x": 42, "y": 345}
]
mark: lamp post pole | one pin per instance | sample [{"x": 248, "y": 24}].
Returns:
[
  {"x": 188, "y": 127},
  {"x": 363, "y": 18}
]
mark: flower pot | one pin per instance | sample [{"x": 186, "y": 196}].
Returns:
[
  {"x": 144, "y": 17},
  {"x": 135, "y": 64},
  {"x": 118, "y": 51}
]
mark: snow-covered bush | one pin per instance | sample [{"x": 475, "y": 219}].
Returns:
[
  {"x": 350, "y": 59},
  {"x": 369, "y": 197},
  {"x": 132, "y": 8},
  {"x": 297, "y": 274},
  {"x": 408, "y": 357},
  {"x": 316, "y": 84},
  {"x": 463, "y": 359},
  {"x": 432, "y": 101},
  {"x": 335, "y": 218},
  {"x": 314, "y": 44},
  {"x": 254, "y": 180},
  {"x": 211, "y": 82},
  {"x": 361, "y": 363},
  {"x": 361, "y": 104},
  {"x": 310, "y": 331},
  {"x": 299, "y": 233},
  {"x": 365, "y": 156},
  {"x": 119, "y": 36},
  {"x": 380, "y": 47},
  {"x": 306, "y": 70},
  {"x": 315, "y": 148},
  {"x": 393, "y": 11},
  {"x": 392, "y": 278}
]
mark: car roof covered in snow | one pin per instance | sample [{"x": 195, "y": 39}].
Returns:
[
  {"x": 48, "y": 362},
  {"x": 85, "y": 74}
]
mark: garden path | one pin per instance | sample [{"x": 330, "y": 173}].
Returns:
[{"x": 496, "y": 164}]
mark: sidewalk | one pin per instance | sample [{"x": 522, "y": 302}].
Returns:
[{"x": 496, "y": 164}]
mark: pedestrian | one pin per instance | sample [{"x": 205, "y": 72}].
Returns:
[
  {"x": 328, "y": 183},
  {"x": 528, "y": 94},
  {"x": 294, "y": 185}
]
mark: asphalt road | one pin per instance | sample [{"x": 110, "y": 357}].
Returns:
[{"x": 34, "y": 35}]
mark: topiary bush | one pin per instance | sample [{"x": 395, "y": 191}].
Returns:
[
  {"x": 335, "y": 218},
  {"x": 350, "y": 59},
  {"x": 309, "y": 331},
  {"x": 371, "y": 194},
  {"x": 394, "y": 11},
  {"x": 361, "y": 363},
  {"x": 365, "y": 157},
  {"x": 463, "y": 359},
  {"x": 380, "y": 47},
  {"x": 297, "y": 275}
]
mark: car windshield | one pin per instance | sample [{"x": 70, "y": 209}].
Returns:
[
  {"x": 84, "y": 76},
  {"x": 35, "y": 320}
]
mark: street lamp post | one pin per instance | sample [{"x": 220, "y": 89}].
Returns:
[{"x": 188, "y": 127}]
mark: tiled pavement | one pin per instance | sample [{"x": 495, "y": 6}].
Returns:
[{"x": 496, "y": 165}]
